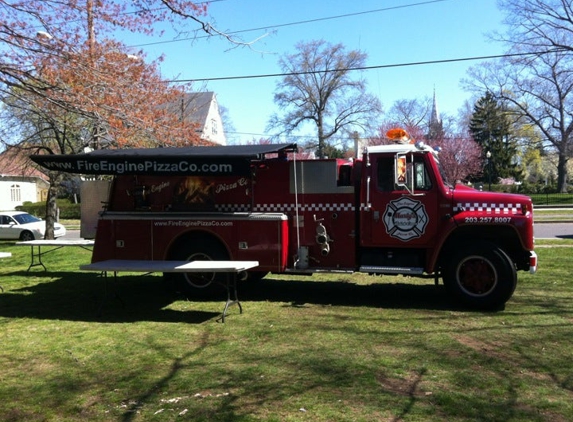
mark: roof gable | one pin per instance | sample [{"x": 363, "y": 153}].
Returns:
[
  {"x": 15, "y": 162},
  {"x": 201, "y": 108},
  {"x": 193, "y": 106}
]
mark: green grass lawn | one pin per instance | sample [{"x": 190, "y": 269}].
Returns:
[
  {"x": 321, "y": 348},
  {"x": 541, "y": 215}
]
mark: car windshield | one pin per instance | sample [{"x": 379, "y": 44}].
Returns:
[{"x": 25, "y": 218}]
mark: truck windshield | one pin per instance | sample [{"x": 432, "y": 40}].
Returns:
[{"x": 443, "y": 174}]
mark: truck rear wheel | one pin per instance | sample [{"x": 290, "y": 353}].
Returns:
[
  {"x": 198, "y": 249},
  {"x": 481, "y": 276}
]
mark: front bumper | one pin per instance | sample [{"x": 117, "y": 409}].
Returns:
[{"x": 532, "y": 262}]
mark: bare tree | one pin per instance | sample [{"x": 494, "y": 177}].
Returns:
[
  {"x": 537, "y": 80},
  {"x": 411, "y": 113},
  {"x": 73, "y": 85},
  {"x": 537, "y": 24},
  {"x": 318, "y": 87},
  {"x": 540, "y": 90}
]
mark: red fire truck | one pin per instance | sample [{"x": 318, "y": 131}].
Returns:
[{"x": 390, "y": 212}]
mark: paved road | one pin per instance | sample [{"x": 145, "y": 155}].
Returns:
[
  {"x": 553, "y": 230},
  {"x": 541, "y": 231},
  {"x": 72, "y": 234}
]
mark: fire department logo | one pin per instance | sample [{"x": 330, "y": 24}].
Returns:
[{"x": 405, "y": 219}]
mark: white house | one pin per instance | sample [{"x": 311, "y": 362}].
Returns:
[
  {"x": 202, "y": 108},
  {"x": 20, "y": 181}
]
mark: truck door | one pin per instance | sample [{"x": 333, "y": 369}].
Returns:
[{"x": 394, "y": 216}]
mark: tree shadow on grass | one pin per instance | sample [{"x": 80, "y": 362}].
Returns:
[
  {"x": 81, "y": 296},
  {"x": 344, "y": 293},
  {"x": 88, "y": 297}
]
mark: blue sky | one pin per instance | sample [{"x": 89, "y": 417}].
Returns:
[{"x": 393, "y": 32}]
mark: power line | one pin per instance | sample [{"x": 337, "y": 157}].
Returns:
[
  {"x": 263, "y": 135},
  {"x": 384, "y": 66},
  {"x": 346, "y": 15}
]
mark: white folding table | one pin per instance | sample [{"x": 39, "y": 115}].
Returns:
[
  {"x": 232, "y": 268},
  {"x": 36, "y": 248}
]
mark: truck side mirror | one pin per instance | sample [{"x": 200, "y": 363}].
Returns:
[{"x": 400, "y": 173}]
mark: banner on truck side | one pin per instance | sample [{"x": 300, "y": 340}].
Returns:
[{"x": 190, "y": 161}]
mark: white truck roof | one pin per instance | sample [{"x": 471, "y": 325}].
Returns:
[{"x": 400, "y": 148}]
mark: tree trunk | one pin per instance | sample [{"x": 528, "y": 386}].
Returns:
[
  {"x": 320, "y": 127},
  {"x": 51, "y": 206},
  {"x": 562, "y": 174}
]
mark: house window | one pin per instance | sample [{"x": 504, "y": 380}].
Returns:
[
  {"x": 213, "y": 126},
  {"x": 15, "y": 195}
]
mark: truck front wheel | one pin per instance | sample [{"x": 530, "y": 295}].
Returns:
[{"x": 481, "y": 276}]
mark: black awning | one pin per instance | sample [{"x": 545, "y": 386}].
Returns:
[{"x": 200, "y": 161}]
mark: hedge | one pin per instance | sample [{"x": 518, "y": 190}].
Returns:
[{"x": 68, "y": 211}]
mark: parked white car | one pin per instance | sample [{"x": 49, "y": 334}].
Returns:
[{"x": 23, "y": 226}]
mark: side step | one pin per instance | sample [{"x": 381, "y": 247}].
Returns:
[
  {"x": 311, "y": 271},
  {"x": 391, "y": 270}
]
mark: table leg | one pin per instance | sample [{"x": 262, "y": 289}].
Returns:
[
  {"x": 106, "y": 294},
  {"x": 33, "y": 257},
  {"x": 232, "y": 297}
]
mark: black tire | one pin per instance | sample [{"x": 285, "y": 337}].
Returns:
[
  {"x": 26, "y": 236},
  {"x": 198, "y": 249},
  {"x": 481, "y": 276}
]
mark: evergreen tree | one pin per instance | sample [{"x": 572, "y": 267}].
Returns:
[{"x": 491, "y": 127}]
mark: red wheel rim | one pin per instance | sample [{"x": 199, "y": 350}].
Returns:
[{"x": 477, "y": 276}]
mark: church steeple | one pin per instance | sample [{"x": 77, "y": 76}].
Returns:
[{"x": 435, "y": 127}]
